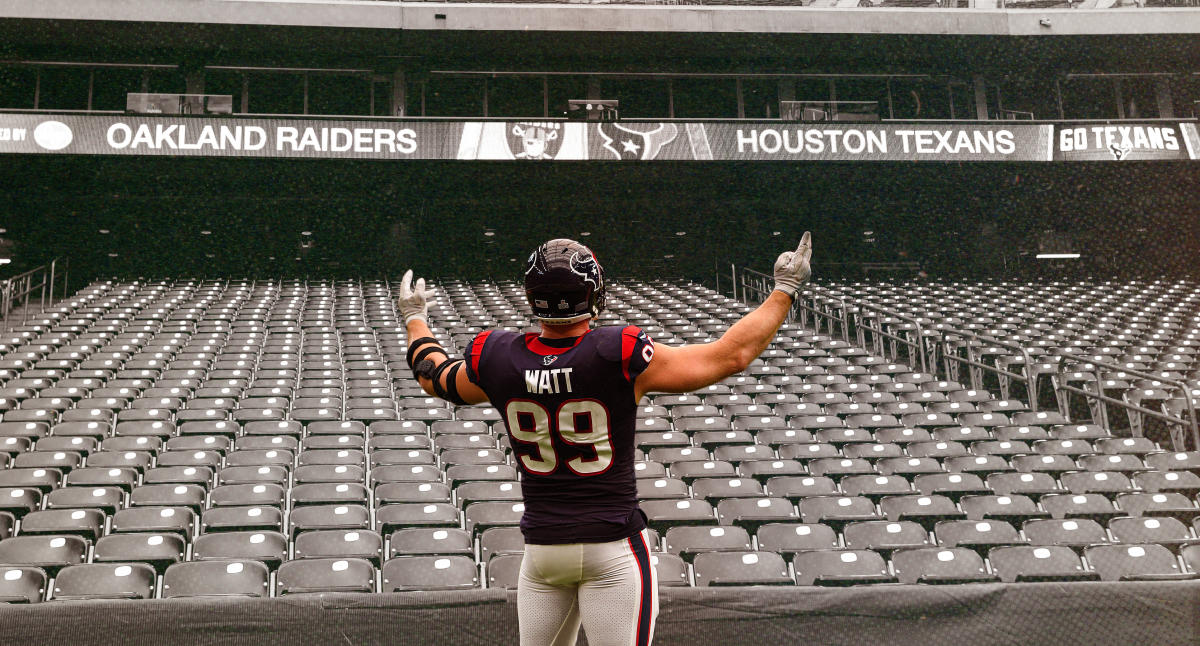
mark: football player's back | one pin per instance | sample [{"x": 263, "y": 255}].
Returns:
[{"x": 569, "y": 407}]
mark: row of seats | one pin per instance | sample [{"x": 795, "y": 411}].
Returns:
[{"x": 225, "y": 577}]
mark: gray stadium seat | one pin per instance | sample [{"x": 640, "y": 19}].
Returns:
[
  {"x": 740, "y": 568},
  {"x": 1026, "y": 563},
  {"x": 325, "y": 575},
  {"x": 105, "y": 581},
  {"x": 444, "y": 572},
  {"x": 839, "y": 567},
  {"x": 940, "y": 565},
  {"x": 22, "y": 584},
  {"x": 216, "y": 578}
]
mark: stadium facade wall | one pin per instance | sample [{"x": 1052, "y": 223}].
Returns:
[{"x": 553, "y": 17}]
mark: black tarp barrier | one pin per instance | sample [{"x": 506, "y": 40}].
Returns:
[{"x": 1088, "y": 614}]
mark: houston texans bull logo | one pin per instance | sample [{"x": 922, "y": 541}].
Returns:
[
  {"x": 629, "y": 141},
  {"x": 1119, "y": 152},
  {"x": 587, "y": 268}
]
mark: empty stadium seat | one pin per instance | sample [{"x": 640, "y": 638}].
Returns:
[
  {"x": 940, "y": 565},
  {"x": 1134, "y": 562},
  {"x": 740, "y": 568},
  {"x": 503, "y": 571},
  {"x": 429, "y": 541},
  {"x": 670, "y": 570},
  {"x": 325, "y": 575},
  {"x": 1024, "y": 563},
  {"x": 105, "y": 581},
  {"x": 22, "y": 584},
  {"x": 49, "y": 552},
  {"x": 339, "y": 543},
  {"x": 446, "y": 572},
  {"x": 688, "y": 541},
  {"x": 500, "y": 540},
  {"x": 269, "y": 548},
  {"x": 840, "y": 568},
  {"x": 216, "y": 578},
  {"x": 159, "y": 550}
]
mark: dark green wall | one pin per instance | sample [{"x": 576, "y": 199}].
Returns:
[{"x": 372, "y": 219}]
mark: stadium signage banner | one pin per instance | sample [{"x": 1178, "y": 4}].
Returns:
[
  {"x": 747, "y": 141},
  {"x": 883, "y": 142},
  {"x": 226, "y": 137},
  {"x": 187, "y": 136},
  {"x": 1123, "y": 142}
]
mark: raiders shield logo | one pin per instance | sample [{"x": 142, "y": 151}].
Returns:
[
  {"x": 534, "y": 140},
  {"x": 631, "y": 141}
]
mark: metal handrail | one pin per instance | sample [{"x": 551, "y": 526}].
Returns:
[
  {"x": 761, "y": 286},
  {"x": 917, "y": 346},
  {"x": 22, "y": 286},
  {"x": 757, "y": 282},
  {"x": 1099, "y": 395},
  {"x": 1028, "y": 376}
]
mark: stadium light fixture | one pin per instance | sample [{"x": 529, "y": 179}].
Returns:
[
  {"x": 1057, "y": 256},
  {"x": 5, "y": 261},
  {"x": 104, "y": 232}
]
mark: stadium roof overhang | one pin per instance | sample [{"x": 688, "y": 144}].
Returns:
[{"x": 514, "y": 36}]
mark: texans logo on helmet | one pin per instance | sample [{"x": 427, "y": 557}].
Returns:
[
  {"x": 586, "y": 267},
  {"x": 626, "y": 142}
]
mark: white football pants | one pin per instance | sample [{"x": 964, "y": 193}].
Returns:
[{"x": 611, "y": 588}]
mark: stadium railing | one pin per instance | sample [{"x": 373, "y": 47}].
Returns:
[
  {"x": 17, "y": 291},
  {"x": 1177, "y": 424},
  {"x": 958, "y": 347}
]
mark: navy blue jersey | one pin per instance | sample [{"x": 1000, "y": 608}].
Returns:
[{"x": 569, "y": 408}]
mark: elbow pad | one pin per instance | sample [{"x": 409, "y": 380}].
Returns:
[{"x": 449, "y": 392}]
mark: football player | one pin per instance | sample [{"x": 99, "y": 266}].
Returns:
[{"x": 569, "y": 397}]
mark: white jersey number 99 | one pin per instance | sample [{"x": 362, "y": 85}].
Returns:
[{"x": 530, "y": 422}]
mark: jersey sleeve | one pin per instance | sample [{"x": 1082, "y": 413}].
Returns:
[
  {"x": 636, "y": 351},
  {"x": 474, "y": 355}
]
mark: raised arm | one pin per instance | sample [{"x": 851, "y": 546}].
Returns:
[
  {"x": 435, "y": 371},
  {"x": 690, "y": 367}
]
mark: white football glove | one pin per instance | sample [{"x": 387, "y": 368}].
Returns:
[
  {"x": 792, "y": 269},
  {"x": 414, "y": 303}
]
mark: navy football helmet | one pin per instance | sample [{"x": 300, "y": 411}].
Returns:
[{"x": 564, "y": 282}]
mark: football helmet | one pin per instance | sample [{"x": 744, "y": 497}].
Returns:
[{"x": 564, "y": 282}]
